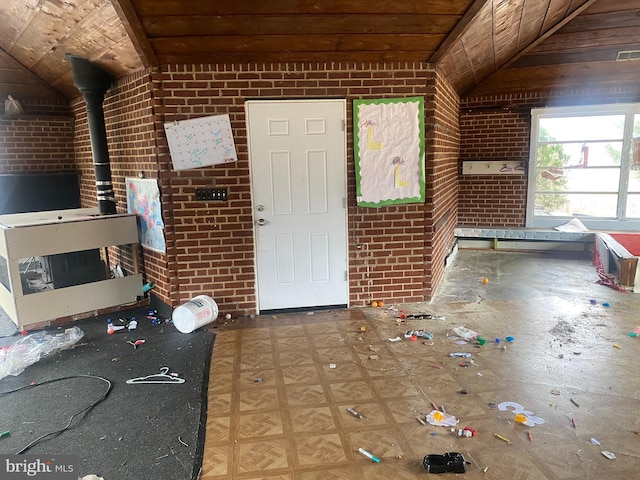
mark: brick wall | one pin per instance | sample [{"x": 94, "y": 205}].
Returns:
[
  {"x": 129, "y": 118},
  {"x": 498, "y": 127},
  {"x": 40, "y": 141},
  {"x": 210, "y": 246},
  {"x": 443, "y": 133}
]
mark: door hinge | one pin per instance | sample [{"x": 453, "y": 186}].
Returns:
[{"x": 344, "y": 125}]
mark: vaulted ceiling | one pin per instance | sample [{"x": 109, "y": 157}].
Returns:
[{"x": 481, "y": 46}]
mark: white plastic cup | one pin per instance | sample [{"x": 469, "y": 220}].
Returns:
[{"x": 196, "y": 313}]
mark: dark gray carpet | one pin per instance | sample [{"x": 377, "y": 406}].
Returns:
[{"x": 143, "y": 431}]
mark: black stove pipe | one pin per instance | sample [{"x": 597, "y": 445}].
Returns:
[{"x": 93, "y": 82}]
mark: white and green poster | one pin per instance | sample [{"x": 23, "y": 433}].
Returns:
[{"x": 389, "y": 151}]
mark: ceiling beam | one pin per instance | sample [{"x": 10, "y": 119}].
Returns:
[
  {"x": 459, "y": 30},
  {"x": 133, "y": 27}
]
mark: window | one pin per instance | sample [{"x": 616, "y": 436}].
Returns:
[{"x": 585, "y": 164}]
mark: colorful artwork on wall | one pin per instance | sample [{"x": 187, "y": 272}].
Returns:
[{"x": 143, "y": 199}]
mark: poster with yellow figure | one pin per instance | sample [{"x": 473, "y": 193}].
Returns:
[{"x": 389, "y": 151}]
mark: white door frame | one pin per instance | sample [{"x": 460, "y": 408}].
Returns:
[{"x": 253, "y": 193}]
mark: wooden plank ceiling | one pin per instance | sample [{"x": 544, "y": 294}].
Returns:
[{"x": 481, "y": 46}]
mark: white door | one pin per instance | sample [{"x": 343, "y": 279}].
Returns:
[{"x": 297, "y": 152}]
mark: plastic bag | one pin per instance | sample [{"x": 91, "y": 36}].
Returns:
[
  {"x": 30, "y": 349},
  {"x": 465, "y": 333},
  {"x": 12, "y": 106}
]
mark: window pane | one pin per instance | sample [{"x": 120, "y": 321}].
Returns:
[
  {"x": 633, "y": 205},
  {"x": 576, "y": 204},
  {"x": 597, "y": 127},
  {"x": 588, "y": 154},
  {"x": 634, "y": 153},
  {"x": 557, "y": 179},
  {"x": 634, "y": 182}
]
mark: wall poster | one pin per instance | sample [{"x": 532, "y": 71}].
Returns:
[
  {"x": 143, "y": 199},
  {"x": 389, "y": 151},
  {"x": 200, "y": 142}
]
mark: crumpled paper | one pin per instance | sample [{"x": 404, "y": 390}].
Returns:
[{"x": 440, "y": 419}]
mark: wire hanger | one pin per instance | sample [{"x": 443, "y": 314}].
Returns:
[{"x": 163, "y": 377}]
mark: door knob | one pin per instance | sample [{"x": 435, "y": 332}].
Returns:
[{"x": 261, "y": 222}]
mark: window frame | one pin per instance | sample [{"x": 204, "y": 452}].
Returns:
[{"x": 620, "y": 223}]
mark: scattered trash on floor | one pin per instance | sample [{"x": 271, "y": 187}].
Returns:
[
  {"x": 163, "y": 377},
  {"x": 415, "y": 334},
  {"x": 504, "y": 439},
  {"x": 136, "y": 344},
  {"x": 615, "y": 345},
  {"x": 460, "y": 354},
  {"x": 422, "y": 316},
  {"x": 448, "y": 462},
  {"x": 354, "y": 413},
  {"x": 465, "y": 333},
  {"x": 574, "y": 402},
  {"x": 29, "y": 349},
  {"x": 521, "y": 415},
  {"x": 197, "y": 312},
  {"x": 594, "y": 441},
  {"x": 397, "y": 339},
  {"x": 440, "y": 419},
  {"x": 369, "y": 455},
  {"x": 111, "y": 328},
  {"x": 609, "y": 455},
  {"x": 465, "y": 432}
]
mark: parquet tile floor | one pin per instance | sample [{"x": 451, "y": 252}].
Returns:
[{"x": 280, "y": 387}]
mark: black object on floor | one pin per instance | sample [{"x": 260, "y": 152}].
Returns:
[
  {"x": 447, "y": 462},
  {"x": 140, "y": 430}
]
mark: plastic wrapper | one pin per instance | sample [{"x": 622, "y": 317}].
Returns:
[
  {"x": 465, "y": 333},
  {"x": 30, "y": 349}
]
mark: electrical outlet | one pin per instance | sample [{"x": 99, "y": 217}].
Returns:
[{"x": 211, "y": 194}]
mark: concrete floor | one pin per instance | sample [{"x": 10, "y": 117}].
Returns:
[{"x": 572, "y": 363}]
